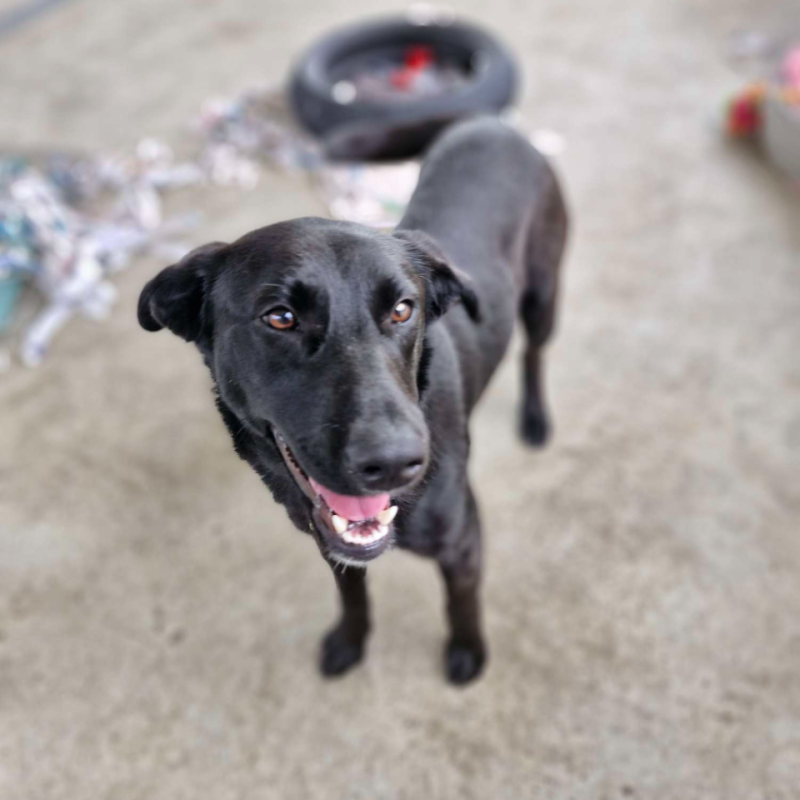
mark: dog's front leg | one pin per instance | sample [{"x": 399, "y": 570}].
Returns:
[
  {"x": 343, "y": 646},
  {"x": 460, "y": 564}
]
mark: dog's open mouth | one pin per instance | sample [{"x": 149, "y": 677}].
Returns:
[{"x": 354, "y": 529}]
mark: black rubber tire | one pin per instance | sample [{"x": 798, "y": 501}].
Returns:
[{"x": 491, "y": 88}]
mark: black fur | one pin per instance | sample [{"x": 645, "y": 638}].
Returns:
[{"x": 481, "y": 241}]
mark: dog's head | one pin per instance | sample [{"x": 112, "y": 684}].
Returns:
[{"x": 314, "y": 332}]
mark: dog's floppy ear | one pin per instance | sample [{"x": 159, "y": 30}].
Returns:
[
  {"x": 174, "y": 298},
  {"x": 445, "y": 285}
]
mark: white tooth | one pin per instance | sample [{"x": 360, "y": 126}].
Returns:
[
  {"x": 339, "y": 524},
  {"x": 382, "y": 531},
  {"x": 386, "y": 516}
]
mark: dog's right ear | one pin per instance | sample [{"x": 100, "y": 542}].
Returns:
[{"x": 174, "y": 299}]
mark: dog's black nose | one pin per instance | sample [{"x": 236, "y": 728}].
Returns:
[{"x": 390, "y": 466}]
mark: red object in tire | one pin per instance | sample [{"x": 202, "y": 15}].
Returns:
[{"x": 417, "y": 58}]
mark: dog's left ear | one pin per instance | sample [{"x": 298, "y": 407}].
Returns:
[{"x": 445, "y": 285}]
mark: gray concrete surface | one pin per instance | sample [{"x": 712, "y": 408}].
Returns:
[{"x": 159, "y": 618}]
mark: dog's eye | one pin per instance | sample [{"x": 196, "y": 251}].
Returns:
[
  {"x": 281, "y": 319},
  {"x": 402, "y": 311}
]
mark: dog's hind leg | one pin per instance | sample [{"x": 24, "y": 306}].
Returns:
[
  {"x": 544, "y": 250},
  {"x": 465, "y": 654},
  {"x": 343, "y": 646}
]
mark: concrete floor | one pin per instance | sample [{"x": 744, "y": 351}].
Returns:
[{"x": 159, "y": 617}]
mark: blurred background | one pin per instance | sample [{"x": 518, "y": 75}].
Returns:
[{"x": 160, "y": 617}]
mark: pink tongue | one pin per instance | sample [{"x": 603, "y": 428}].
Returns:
[{"x": 352, "y": 508}]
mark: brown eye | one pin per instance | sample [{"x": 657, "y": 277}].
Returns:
[
  {"x": 281, "y": 319},
  {"x": 402, "y": 311}
]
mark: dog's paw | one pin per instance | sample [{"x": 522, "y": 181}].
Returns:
[
  {"x": 534, "y": 428},
  {"x": 464, "y": 662},
  {"x": 339, "y": 653}
]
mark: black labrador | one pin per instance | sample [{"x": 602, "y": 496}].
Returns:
[{"x": 346, "y": 362}]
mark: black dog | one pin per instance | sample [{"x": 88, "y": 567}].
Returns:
[{"x": 343, "y": 388}]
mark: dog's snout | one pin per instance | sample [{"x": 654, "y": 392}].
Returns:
[{"x": 390, "y": 465}]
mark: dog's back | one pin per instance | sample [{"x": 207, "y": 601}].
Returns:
[{"x": 492, "y": 202}]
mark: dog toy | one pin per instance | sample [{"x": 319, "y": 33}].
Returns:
[
  {"x": 47, "y": 237},
  {"x": 744, "y": 111},
  {"x": 744, "y": 117}
]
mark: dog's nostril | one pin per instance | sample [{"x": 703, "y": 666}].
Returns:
[{"x": 390, "y": 470}]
